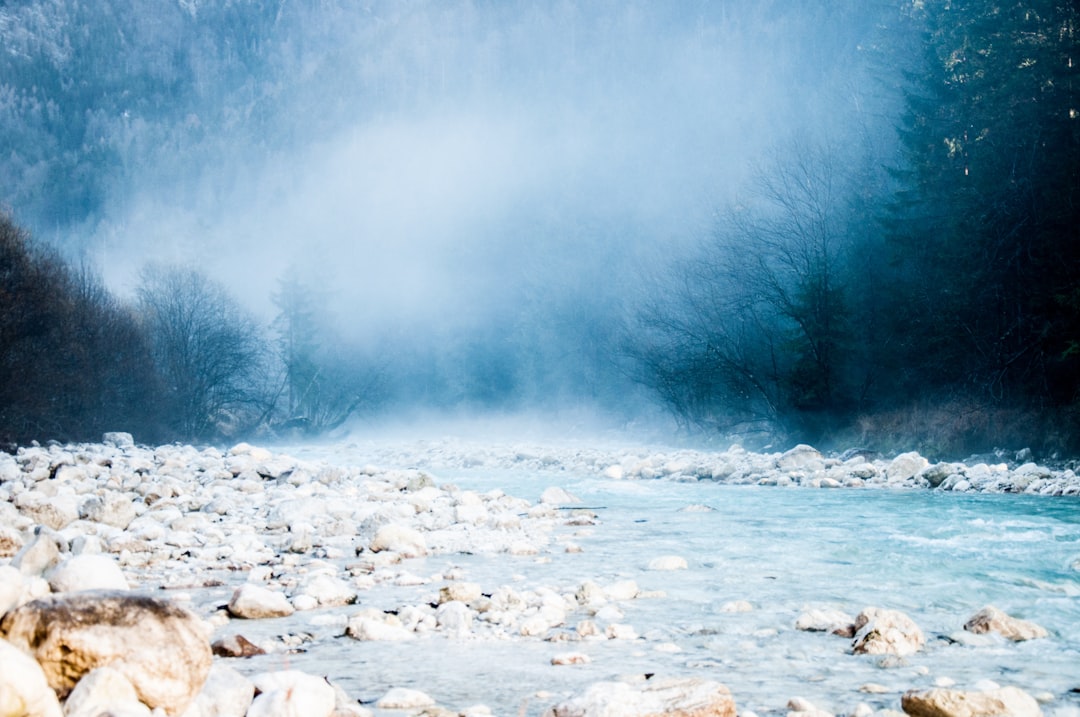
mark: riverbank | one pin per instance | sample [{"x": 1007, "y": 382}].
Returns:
[{"x": 377, "y": 559}]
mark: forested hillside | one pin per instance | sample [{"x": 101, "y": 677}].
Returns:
[{"x": 846, "y": 223}]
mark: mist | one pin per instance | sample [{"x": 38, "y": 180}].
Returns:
[{"x": 488, "y": 182}]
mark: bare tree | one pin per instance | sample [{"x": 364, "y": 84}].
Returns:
[
  {"x": 750, "y": 331},
  {"x": 207, "y": 349}
]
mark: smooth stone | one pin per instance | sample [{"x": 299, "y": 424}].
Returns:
[
  {"x": 454, "y": 617},
  {"x": 401, "y": 539},
  {"x": 802, "y": 707},
  {"x": 906, "y": 465},
  {"x": 554, "y": 495},
  {"x": 668, "y": 562},
  {"x": 675, "y": 697},
  {"x": 375, "y": 625},
  {"x": 571, "y": 658},
  {"x": 118, "y": 439},
  {"x": 12, "y": 586},
  {"x": 328, "y": 590},
  {"x": 403, "y": 698},
  {"x": 252, "y": 601},
  {"x": 461, "y": 592},
  {"x": 291, "y": 692},
  {"x": 236, "y": 646},
  {"x": 56, "y": 512},
  {"x": 622, "y": 590},
  {"x": 880, "y": 631},
  {"x": 104, "y": 690},
  {"x": 160, "y": 647},
  {"x": 943, "y": 702},
  {"x": 226, "y": 693},
  {"x": 824, "y": 620},
  {"x": 87, "y": 572},
  {"x": 112, "y": 509},
  {"x": 990, "y": 619},
  {"x": 40, "y": 554},
  {"x": 24, "y": 689}
]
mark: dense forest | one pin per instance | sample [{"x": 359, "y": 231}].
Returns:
[{"x": 896, "y": 267}]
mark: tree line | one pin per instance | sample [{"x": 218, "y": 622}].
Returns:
[
  {"x": 183, "y": 360},
  {"x": 932, "y": 299}
]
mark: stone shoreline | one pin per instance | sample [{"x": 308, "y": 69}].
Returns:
[{"x": 112, "y": 524}]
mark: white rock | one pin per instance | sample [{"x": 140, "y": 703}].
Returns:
[
  {"x": 886, "y": 632},
  {"x": 686, "y": 697},
  {"x": 372, "y": 624},
  {"x": 554, "y": 495},
  {"x": 328, "y": 590},
  {"x": 56, "y": 512},
  {"x": 622, "y": 590},
  {"x": 40, "y": 554},
  {"x": 402, "y": 698},
  {"x": 87, "y": 572},
  {"x": 454, "y": 617},
  {"x": 801, "y": 457},
  {"x": 291, "y": 693},
  {"x": 104, "y": 690},
  {"x": 619, "y": 631},
  {"x": 614, "y": 472},
  {"x": 737, "y": 606},
  {"x": 226, "y": 693},
  {"x": 824, "y": 620},
  {"x": 115, "y": 509},
  {"x": 401, "y": 539},
  {"x": 24, "y": 689},
  {"x": 118, "y": 439},
  {"x": 571, "y": 658},
  {"x": 801, "y": 707},
  {"x": 12, "y": 587},
  {"x": 905, "y": 465},
  {"x": 668, "y": 562},
  {"x": 253, "y": 602},
  {"x": 460, "y": 591}
]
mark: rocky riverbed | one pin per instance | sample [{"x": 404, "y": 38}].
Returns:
[{"x": 197, "y": 582}]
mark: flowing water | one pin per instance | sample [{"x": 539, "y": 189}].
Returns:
[{"x": 939, "y": 557}]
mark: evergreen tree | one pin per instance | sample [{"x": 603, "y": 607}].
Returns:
[{"x": 987, "y": 223}]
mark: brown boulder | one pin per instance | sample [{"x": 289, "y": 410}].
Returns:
[
  {"x": 941, "y": 702},
  {"x": 990, "y": 619},
  {"x": 159, "y": 647}
]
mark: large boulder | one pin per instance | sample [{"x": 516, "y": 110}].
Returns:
[
  {"x": 161, "y": 648},
  {"x": 943, "y": 702},
  {"x": 879, "y": 631},
  {"x": 675, "y": 697},
  {"x": 990, "y": 619},
  {"x": 23, "y": 687}
]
